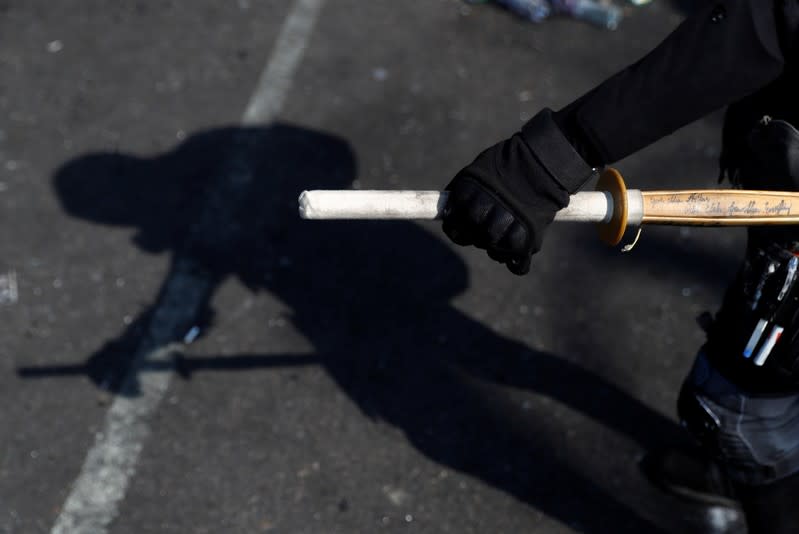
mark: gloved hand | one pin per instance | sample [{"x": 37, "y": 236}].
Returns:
[{"x": 506, "y": 198}]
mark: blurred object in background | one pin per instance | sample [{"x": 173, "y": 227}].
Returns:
[
  {"x": 8, "y": 288},
  {"x": 598, "y": 12}
]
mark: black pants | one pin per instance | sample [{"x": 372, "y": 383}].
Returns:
[{"x": 757, "y": 440}]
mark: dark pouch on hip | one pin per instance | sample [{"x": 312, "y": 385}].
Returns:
[
  {"x": 772, "y": 161},
  {"x": 769, "y": 314}
]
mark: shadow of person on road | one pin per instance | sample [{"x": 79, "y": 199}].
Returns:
[{"x": 373, "y": 298}]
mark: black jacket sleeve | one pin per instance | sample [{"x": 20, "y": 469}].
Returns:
[{"x": 720, "y": 54}]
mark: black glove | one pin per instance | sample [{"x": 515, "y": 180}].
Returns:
[{"x": 504, "y": 200}]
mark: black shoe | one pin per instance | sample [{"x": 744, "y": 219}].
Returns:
[{"x": 691, "y": 474}]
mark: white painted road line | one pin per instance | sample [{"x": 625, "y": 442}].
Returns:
[
  {"x": 102, "y": 483},
  {"x": 103, "y": 480},
  {"x": 267, "y": 99}
]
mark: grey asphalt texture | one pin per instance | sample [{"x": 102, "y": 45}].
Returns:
[{"x": 350, "y": 376}]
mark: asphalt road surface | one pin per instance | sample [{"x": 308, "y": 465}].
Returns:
[{"x": 179, "y": 352}]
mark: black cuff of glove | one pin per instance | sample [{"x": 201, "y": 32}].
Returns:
[{"x": 555, "y": 153}]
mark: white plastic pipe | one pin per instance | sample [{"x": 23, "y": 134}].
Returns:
[
  {"x": 366, "y": 204},
  {"x": 585, "y": 206}
]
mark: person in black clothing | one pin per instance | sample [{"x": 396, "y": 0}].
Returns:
[{"x": 742, "y": 408}]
